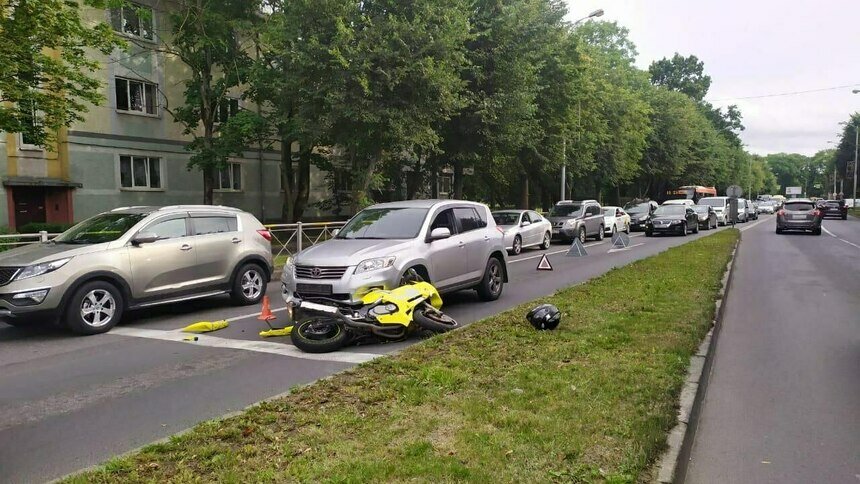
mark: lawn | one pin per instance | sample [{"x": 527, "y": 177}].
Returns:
[{"x": 494, "y": 402}]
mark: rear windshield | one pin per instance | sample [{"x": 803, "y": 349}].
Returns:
[
  {"x": 714, "y": 202},
  {"x": 565, "y": 210},
  {"x": 799, "y": 207},
  {"x": 701, "y": 209},
  {"x": 670, "y": 210},
  {"x": 638, "y": 208}
]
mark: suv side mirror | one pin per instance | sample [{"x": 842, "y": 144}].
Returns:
[
  {"x": 335, "y": 232},
  {"x": 525, "y": 223},
  {"x": 144, "y": 238},
  {"x": 439, "y": 233}
]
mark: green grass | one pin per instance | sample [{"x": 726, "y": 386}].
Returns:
[
  {"x": 854, "y": 211},
  {"x": 280, "y": 260},
  {"x": 494, "y": 402}
]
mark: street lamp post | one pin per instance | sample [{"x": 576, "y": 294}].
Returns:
[
  {"x": 594, "y": 14},
  {"x": 856, "y": 139}
]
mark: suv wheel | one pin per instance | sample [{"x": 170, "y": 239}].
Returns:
[
  {"x": 600, "y": 233},
  {"x": 490, "y": 287},
  {"x": 95, "y": 308},
  {"x": 249, "y": 286},
  {"x": 582, "y": 236},
  {"x": 411, "y": 275}
]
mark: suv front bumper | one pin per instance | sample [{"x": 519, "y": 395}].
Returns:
[
  {"x": 24, "y": 311},
  {"x": 349, "y": 288}
]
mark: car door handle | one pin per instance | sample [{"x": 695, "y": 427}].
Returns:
[
  {"x": 185, "y": 247},
  {"x": 236, "y": 240},
  {"x": 461, "y": 244}
]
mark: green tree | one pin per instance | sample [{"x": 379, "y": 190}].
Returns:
[
  {"x": 47, "y": 80},
  {"x": 682, "y": 74},
  {"x": 845, "y": 152}
]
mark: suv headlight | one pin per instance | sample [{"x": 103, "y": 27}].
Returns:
[
  {"x": 570, "y": 222},
  {"x": 290, "y": 266},
  {"x": 375, "y": 264},
  {"x": 39, "y": 269}
]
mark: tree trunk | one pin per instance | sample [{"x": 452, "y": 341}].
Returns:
[
  {"x": 524, "y": 194},
  {"x": 208, "y": 185},
  {"x": 364, "y": 183},
  {"x": 303, "y": 186},
  {"x": 458, "y": 180},
  {"x": 288, "y": 181}
]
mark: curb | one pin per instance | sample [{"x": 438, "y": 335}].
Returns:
[{"x": 672, "y": 466}]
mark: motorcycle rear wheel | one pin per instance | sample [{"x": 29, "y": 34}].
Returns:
[
  {"x": 434, "y": 320},
  {"x": 319, "y": 335}
]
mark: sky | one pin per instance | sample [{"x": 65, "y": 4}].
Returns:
[{"x": 757, "y": 48}]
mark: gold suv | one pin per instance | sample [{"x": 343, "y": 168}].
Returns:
[{"x": 132, "y": 258}]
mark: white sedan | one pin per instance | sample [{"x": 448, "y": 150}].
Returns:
[
  {"x": 615, "y": 220},
  {"x": 523, "y": 228}
]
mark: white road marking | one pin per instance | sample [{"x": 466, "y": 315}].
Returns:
[
  {"x": 828, "y": 232},
  {"x": 239, "y": 318},
  {"x": 839, "y": 238},
  {"x": 753, "y": 225},
  {"x": 611, "y": 251},
  {"x": 256, "y": 346}
]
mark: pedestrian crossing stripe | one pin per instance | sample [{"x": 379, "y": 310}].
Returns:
[{"x": 544, "y": 264}]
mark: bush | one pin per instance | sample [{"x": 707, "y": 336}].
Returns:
[
  {"x": 4, "y": 243},
  {"x": 36, "y": 227}
]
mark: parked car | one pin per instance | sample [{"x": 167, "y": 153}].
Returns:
[
  {"x": 571, "y": 219},
  {"x": 639, "y": 212},
  {"x": 752, "y": 212},
  {"x": 685, "y": 202},
  {"x": 799, "y": 214},
  {"x": 720, "y": 206},
  {"x": 766, "y": 207},
  {"x": 132, "y": 258},
  {"x": 615, "y": 220},
  {"x": 522, "y": 229},
  {"x": 707, "y": 216},
  {"x": 672, "y": 219},
  {"x": 743, "y": 215},
  {"x": 451, "y": 244},
  {"x": 834, "y": 208}
]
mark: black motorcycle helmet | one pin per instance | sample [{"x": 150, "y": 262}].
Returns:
[{"x": 545, "y": 316}]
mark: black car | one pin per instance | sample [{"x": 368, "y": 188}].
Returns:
[
  {"x": 799, "y": 214},
  {"x": 672, "y": 219},
  {"x": 834, "y": 208},
  {"x": 707, "y": 216},
  {"x": 639, "y": 212}
]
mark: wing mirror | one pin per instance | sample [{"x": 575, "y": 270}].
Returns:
[
  {"x": 439, "y": 233},
  {"x": 144, "y": 238},
  {"x": 525, "y": 223},
  {"x": 335, "y": 232}
]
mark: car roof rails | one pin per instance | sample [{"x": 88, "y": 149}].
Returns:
[{"x": 200, "y": 207}]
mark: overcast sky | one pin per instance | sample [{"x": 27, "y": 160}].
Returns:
[{"x": 755, "y": 48}]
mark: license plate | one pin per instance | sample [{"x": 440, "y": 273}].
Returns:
[
  {"x": 314, "y": 289},
  {"x": 318, "y": 307},
  {"x": 798, "y": 217}
]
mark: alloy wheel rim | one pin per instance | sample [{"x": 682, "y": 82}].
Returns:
[
  {"x": 98, "y": 308},
  {"x": 518, "y": 245},
  {"x": 252, "y": 284},
  {"x": 495, "y": 279}
]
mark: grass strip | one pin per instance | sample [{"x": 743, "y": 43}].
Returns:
[{"x": 494, "y": 402}]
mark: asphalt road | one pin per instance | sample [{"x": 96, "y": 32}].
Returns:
[
  {"x": 783, "y": 401},
  {"x": 70, "y": 402}
]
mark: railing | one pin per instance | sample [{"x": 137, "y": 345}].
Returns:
[
  {"x": 289, "y": 239},
  {"x": 16, "y": 240}
]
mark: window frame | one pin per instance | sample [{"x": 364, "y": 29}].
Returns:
[
  {"x": 198, "y": 215},
  {"x": 148, "y": 188},
  {"x": 168, "y": 218},
  {"x": 460, "y": 228},
  {"x": 143, "y": 83},
  {"x": 230, "y": 100},
  {"x": 231, "y": 165},
  {"x": 443, "y": 180},
  {"x": 121, "y": 30}
]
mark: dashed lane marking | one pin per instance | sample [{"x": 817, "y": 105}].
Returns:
[{"x": 256, "y": 346}]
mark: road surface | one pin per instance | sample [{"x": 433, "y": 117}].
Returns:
[
  {"x": 783, "y": 401},
  {"x": 70, "y": 402}
]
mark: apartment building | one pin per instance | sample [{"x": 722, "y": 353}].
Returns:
[{"x": 129, "y": 151}]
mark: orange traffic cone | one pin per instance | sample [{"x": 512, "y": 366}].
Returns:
[{"x": 266, "y": 314}]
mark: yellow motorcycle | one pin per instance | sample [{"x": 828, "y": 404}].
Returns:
[{"x": 387, "y": 315}]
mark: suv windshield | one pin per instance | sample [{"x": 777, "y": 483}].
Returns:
[
  {"x": 565, "y": 210},
  {"x": 638, "y": 208},
  {"x": 106, "y": 227},
  {"x": 384, "y": 223},
  {"x": 506, "y": 218},
  {"x": 670, "y": 210},
  {"x": 714, "y": 202}
]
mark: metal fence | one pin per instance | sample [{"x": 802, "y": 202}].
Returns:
[
  {"x": 16, "y": 240},
  {"x": 289, "y": 239}
]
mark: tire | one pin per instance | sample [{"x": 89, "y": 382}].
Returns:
[
  {"x": 517, "y": 247},
  {"x": 249, "y": 285},
  {"x": 614, "y": 231},
  {"x": 582, "y": 236},
  {"x": 433, "y": 320},
  {"x": 778, "y": 230},
  {"x": 411, "y": 275},
  {"x": 845, "y": 217},
  {"x": 696, "y": 228},
  {"x": 95, "y": 308},
  {"x": 600, "y": 233},
  {"x": 816, "y": 231},
  {"x": 684, "y": 229},
  {"x": 493, "y": 282},
  {"x": 547, "y": 241},
  {"x": 318, "y": 335},
  {"x": 627, "y": 229},
  {"x": 648, "y": 233}
]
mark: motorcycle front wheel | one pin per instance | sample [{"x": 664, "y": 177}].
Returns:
[
  {"x": 434, "y": 320},
  {"x": 319, "y": 335}
]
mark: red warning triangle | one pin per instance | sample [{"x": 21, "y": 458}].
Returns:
[{"x": 544, "y": 264}]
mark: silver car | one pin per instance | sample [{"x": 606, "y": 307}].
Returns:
[
  {"x": 523, "y": 228},
  {"x": 577, "y": 219},
  {"x": 133, "y": 258},
  {"x": 451, "y": 244}
]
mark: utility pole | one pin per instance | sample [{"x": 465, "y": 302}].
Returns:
[
  {"x": 856, "y": 140},
  {"x": 563, "y": 165}
]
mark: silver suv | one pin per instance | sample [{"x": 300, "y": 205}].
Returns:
[
  {"x": 451, "y": 244},
  {"x": 133, "y": 258},
  {"x": 572, "y": 219}
]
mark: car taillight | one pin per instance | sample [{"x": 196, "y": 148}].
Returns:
[
  {"x": 816, "y": 213},
  {"x": 265, "y": 234}
]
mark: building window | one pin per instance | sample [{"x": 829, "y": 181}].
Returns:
[
  {"x": 135, "y": 96},
  {"x": 227, "y": 108},
  {"x": 445, "y": 184},
  {"x": 230, "y": 177},
  {"x": 140, "y": 172},
  {"x": 26, "y": 140},
  {"x": 133, "y": 20}
]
